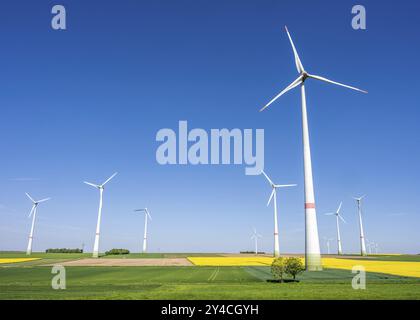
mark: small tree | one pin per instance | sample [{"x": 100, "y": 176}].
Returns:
[
  {"x": 278, "y": 268},
  {"x": 293, "y": 266}
]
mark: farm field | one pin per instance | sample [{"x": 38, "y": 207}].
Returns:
[{"x": 32, "y": 280}]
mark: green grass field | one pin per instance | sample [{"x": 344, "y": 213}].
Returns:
[{"x": 32, "y": 280}]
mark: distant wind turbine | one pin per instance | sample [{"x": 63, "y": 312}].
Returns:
[
  {"x": 327, "y": 241},
  {"x": 274, "y": 195},
  {"x": 146, "y": 216},
  {"x": 312, "y": 250},
  {"x": 255, "y": 237},
  {"x": 98, "y": 224},
  {"x": 338, "y": 216},
  {"x": 369, "y": 245},
  {"x": 362, "y": 234},
  {"x": 35, "y": 204}
]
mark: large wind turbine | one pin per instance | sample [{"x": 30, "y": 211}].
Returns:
[
  {"x": 98, "y": 224},
  {"x": 146, "y": 216},
  {"x": 338, "y": 216},
  {"x": 35, "y": 204},
  {"x": 274, "y": 194},
  {"x": 362, "y": 233},
  {"x": 255, "y": 237},
  {"x": 312, "y": 250}
]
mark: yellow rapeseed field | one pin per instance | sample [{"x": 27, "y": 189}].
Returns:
[
  {"x": 399, "y": 268},
  {"x": 14, "y": 260}
]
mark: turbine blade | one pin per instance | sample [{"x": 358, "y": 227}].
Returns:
[
  {"x": 342, "y": 219},
  {"x": 271, "y": 196},
  {"x": 107, "y": 180},
  {"x": 137, "y": 210},
  {"x": 27, "y": 194},
  {"x": 266, "y": 176},
  {"x": 289, "y": 87},
  {"x": 299, "y": 65},
  {"x": 334, "y": 82},
  {"x": 284, "y": 185},
  {"x": 32, "y": 211},
  {"x": 91, "y": 184},
  {"x": 148, "y": 213},
  {"x": 43, "y": 200},
  {"x": 339, "y": 207},
  {"x": 329, "y": 213}
]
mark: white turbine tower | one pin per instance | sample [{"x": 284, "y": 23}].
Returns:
[
  {"x": 98, "y": 224},
  {"x": 327, "y": 241},
  {"x": 146, "y": 216},
  {"x": 255, "y": 237},
  {"x": 312, "y": 250},
  {"x": 35, "y": 204},
  {"x": 338, "y": 216},
  {"x": 274, "y": 195},
  {"x": 362, "y": 233}
]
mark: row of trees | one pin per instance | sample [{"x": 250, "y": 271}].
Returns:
[
  {"x": 291, "y": 266},
  {"x": 64, "y": 250},
  {"x": 251, "y": 252},
  {"x": 117, "y": 251}
]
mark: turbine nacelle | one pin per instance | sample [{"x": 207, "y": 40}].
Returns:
[
  {"x": 303, "y": 75},
  {"x": 146, "y": 212},
  {"x": 359, "y": 199},
  {"x": 35, "y": 203},
  {"x": 275, "y": 186},
  {"x": 100, "y": 186},
  {"x": 337, "y": 213}
]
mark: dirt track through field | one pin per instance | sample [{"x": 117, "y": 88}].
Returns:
[{"x": 90, "y": 262}]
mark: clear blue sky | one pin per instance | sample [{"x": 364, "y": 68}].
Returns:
[{"x": 82, "y": 103}]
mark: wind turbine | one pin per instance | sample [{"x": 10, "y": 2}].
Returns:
[
  {"x": 362, "y": 234},
  {"x": 368, "y": 246},
  {"x": 35, "y": 204},
  {"x": 255, "y": 237},
  {"x": 146, "y": 216},
  {"x": 327, "y": 240},
  {"x": 274, "y": 195},
  {"x": 338, "y": 216},
  {"x": 312, "y": 250},
  {"x": 98, "y": 224},
  {"x": 372, "y": 247}
]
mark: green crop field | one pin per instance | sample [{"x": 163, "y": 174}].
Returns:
[{"x": 32, "y": 280}]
